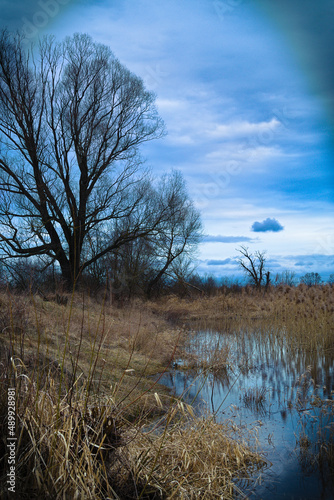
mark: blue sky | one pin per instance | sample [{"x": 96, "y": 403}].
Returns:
[{"x": 246, "y": 90}]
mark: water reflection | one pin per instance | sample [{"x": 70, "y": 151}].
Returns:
[{"x": 255, "y": 377}]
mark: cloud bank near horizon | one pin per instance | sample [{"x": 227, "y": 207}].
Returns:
[{"x": 209, "y": 238}]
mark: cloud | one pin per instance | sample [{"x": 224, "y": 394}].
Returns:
[
  {"x": 217, "y": 262},
  {"x": 245, "y": 152},
  {"x": 321, "y": 261},
  {"x": 267, "y": 225},
  {"x": 209, "y": 238},
  {"x": 243, "y": 128}
]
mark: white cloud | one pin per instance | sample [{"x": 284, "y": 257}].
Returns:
[
  {"x": 243, "y": 128},
  {"x": 226, "y": 239},
  {"x": 243, "y": 153},
  {"x": 168, "y": 105}
]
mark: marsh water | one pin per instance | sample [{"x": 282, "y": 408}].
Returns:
[{"x": 280, "y": 394}]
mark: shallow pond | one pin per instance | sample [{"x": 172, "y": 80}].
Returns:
[{"x": 286, "y": 393}]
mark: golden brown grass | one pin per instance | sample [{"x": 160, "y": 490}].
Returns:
[
  {"x": 128, "y": 341},
  {"x": 84, "y": 396},
  {"x": 303, "y": 314},
  {"x": 193, "y": 458}
]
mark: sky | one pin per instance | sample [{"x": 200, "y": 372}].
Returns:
[{"x": 246, "y": 90}]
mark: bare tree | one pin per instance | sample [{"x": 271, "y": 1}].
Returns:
[
  {"x": 311, "y": 279},
  {"x": 143, "y": 263},
  {"x": 71, "y": 121},
  {"x": 180, "y": 232},
  {"x": 253, "y": 266}
]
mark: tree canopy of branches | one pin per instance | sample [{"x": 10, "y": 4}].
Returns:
[
  {"x": 311, "y": 279},
  {"x": 253, "y": 266},
  {"x": 72, "y": 187},
  {"x": 286, "y": 278},
  {"x": 142, "y": 264}
]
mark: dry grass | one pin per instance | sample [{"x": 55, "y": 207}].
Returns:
[
  {"x": 303, "y": 314},
  {"x": 194, "y": 458},
  {"x": 83, "y": 397},
  {"x": 128, "y": 341}
]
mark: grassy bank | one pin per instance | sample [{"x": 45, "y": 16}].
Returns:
[{"x": 84, "y": 397}]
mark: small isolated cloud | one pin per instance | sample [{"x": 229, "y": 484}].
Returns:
[
  {"x": 267, "y": 225},
  {"x": 209, "y": 238}
]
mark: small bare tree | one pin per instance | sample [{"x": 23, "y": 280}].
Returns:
[{"x": 253, "y": 266}]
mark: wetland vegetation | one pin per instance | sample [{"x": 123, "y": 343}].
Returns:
[{"x": 250, "y": 376}]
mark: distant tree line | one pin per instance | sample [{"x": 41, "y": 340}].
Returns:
[
  {"x": 210, "y": 285},
  {"x": 254, "y": 266},
  {"x": 127, "y": 278}
]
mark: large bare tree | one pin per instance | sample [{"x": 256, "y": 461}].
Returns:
[{"x": 71, "y": 120}]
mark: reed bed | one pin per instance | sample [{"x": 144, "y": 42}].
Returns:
[
  {"x": 195, "y": 458},
  {"x": 303, "y": 315},
  {"x": 294, "y": 328},
  {"x": 84, "y": 397}
]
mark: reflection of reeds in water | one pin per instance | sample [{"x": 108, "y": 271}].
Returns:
[
  {"x": 315, "y": 441},
  {"x": 254, "y": 398},
  {"x": 209, "y": 353},
  {"x": 304, "y": 384}
]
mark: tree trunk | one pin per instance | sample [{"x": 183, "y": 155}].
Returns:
[{"x": 67, "y": 275}]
